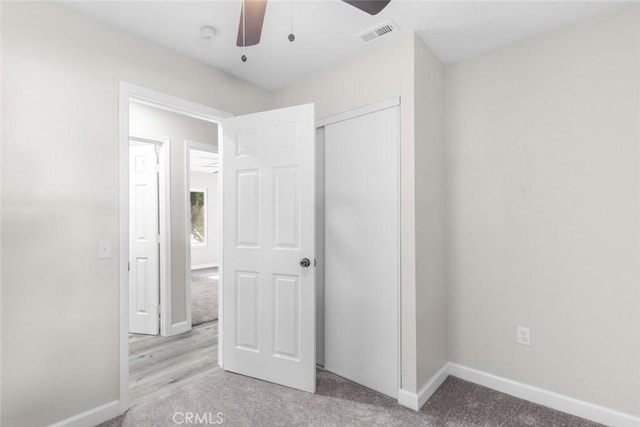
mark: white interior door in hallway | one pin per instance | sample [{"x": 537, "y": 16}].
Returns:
[
  {"x": 144, "y": 275},
  {"x": 362, "y": 248},
  {"x": 269, "y": 246}
]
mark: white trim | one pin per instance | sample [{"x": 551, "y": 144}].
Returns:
[
  {"x": 91, "y": 417},
  {"x": 203, "y": 266},
  {"x": 220, "y": 247},
  {"x": 319, "y": 149},
  {"x": 180, "y": 327},
  {"x": 557, "y": 401},
  {"x": 357, "y": 112},
  {"x": 550, "y": 399},
  {"x": 164, "y": 200},
  {"x": 127, "y": 93},
  {"x": 123, "y": 245},
  {"x": 174, "y": 104},
  {"x": 164, "y": 192},
  {"x": 408, "y": 399},
  {"x": 399, "y": 237},
  {"x": 415, "y": 401},
  {"x": 149, "y": 139}
]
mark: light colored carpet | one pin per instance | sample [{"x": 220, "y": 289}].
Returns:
[
  {"x": 243, "y": 401},
  {"x": 204, "y": 295}
]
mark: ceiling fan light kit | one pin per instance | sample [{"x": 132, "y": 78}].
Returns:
[{"x": 252, "y": 19}]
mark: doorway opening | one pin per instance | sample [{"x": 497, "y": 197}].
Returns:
[
  {"x": 160, "y": 346},
  {"x": 172, "y": 299}
]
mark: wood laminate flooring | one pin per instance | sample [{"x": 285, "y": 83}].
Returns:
[{"x": 158, "y": 365}]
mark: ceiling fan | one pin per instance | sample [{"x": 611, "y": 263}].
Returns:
[{"x": 252, "y": 18}]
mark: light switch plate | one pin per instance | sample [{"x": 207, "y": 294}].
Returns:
[{"x": 104, "y": 248}]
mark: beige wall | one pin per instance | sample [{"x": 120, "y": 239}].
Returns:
[
  {"x": 431, "y": 314},
  {"x": 178, "y": 128},
  {"x": 60, "y": 76},
  {"x": 543, "y": 211},
  {"x": 207, "y": 254}
]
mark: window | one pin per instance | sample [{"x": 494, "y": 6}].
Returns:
[{"x": 198, "y": 217}]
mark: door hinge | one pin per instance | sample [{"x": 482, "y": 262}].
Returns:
[{"x": 128, "y": 266}]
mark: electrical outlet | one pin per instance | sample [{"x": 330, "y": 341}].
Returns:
[{"x": 524, "y": 336}]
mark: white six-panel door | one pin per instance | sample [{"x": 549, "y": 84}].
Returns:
[
  {"x": 144, "y": 277},
  {"x": 268, "y": 226}
]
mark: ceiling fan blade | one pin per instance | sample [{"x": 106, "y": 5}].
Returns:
[
  {"x": 372, "y": 7},
  {"x": 252, "y": 15}
]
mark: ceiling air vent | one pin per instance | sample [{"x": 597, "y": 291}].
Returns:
[{"x": 380, "y": 30}]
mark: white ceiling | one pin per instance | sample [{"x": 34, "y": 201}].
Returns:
[
  {"x": 325, "y": 29},
  {"x": 203, "y": 161}
]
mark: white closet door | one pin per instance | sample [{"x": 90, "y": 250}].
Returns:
[{"x": 361, "y": 225}]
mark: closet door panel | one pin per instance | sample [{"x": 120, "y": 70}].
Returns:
[{"x": 361, "y": 238}]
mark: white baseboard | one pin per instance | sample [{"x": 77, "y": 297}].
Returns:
[
  {"x": 179, "y": 328},
  {"x": 408, "y": 399},
  {"x": 557, "y": 401},
  {"x": 203, "y": 266},
  {"x": 415, "y": 401},
  {"x": 92, "y": 417}
]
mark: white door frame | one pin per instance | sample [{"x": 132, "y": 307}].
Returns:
[
  {"x": 129, "y": 92},
  {"x": 335, "y": 118},
  {"x": 201, "y": 146},
  {"x": 164, "y": 215}
]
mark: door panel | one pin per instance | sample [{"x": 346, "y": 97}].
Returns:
[
  {"x": 286, "y": 316},
  {"x": 361, "y": 275},
  {"x": 247, "y": 310},
  {"x": 247, "y": 210},
  {"x": 144, "y": 276},
  {"x": 269, "y": 220},
  {"x": 286, "y": 208}
]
